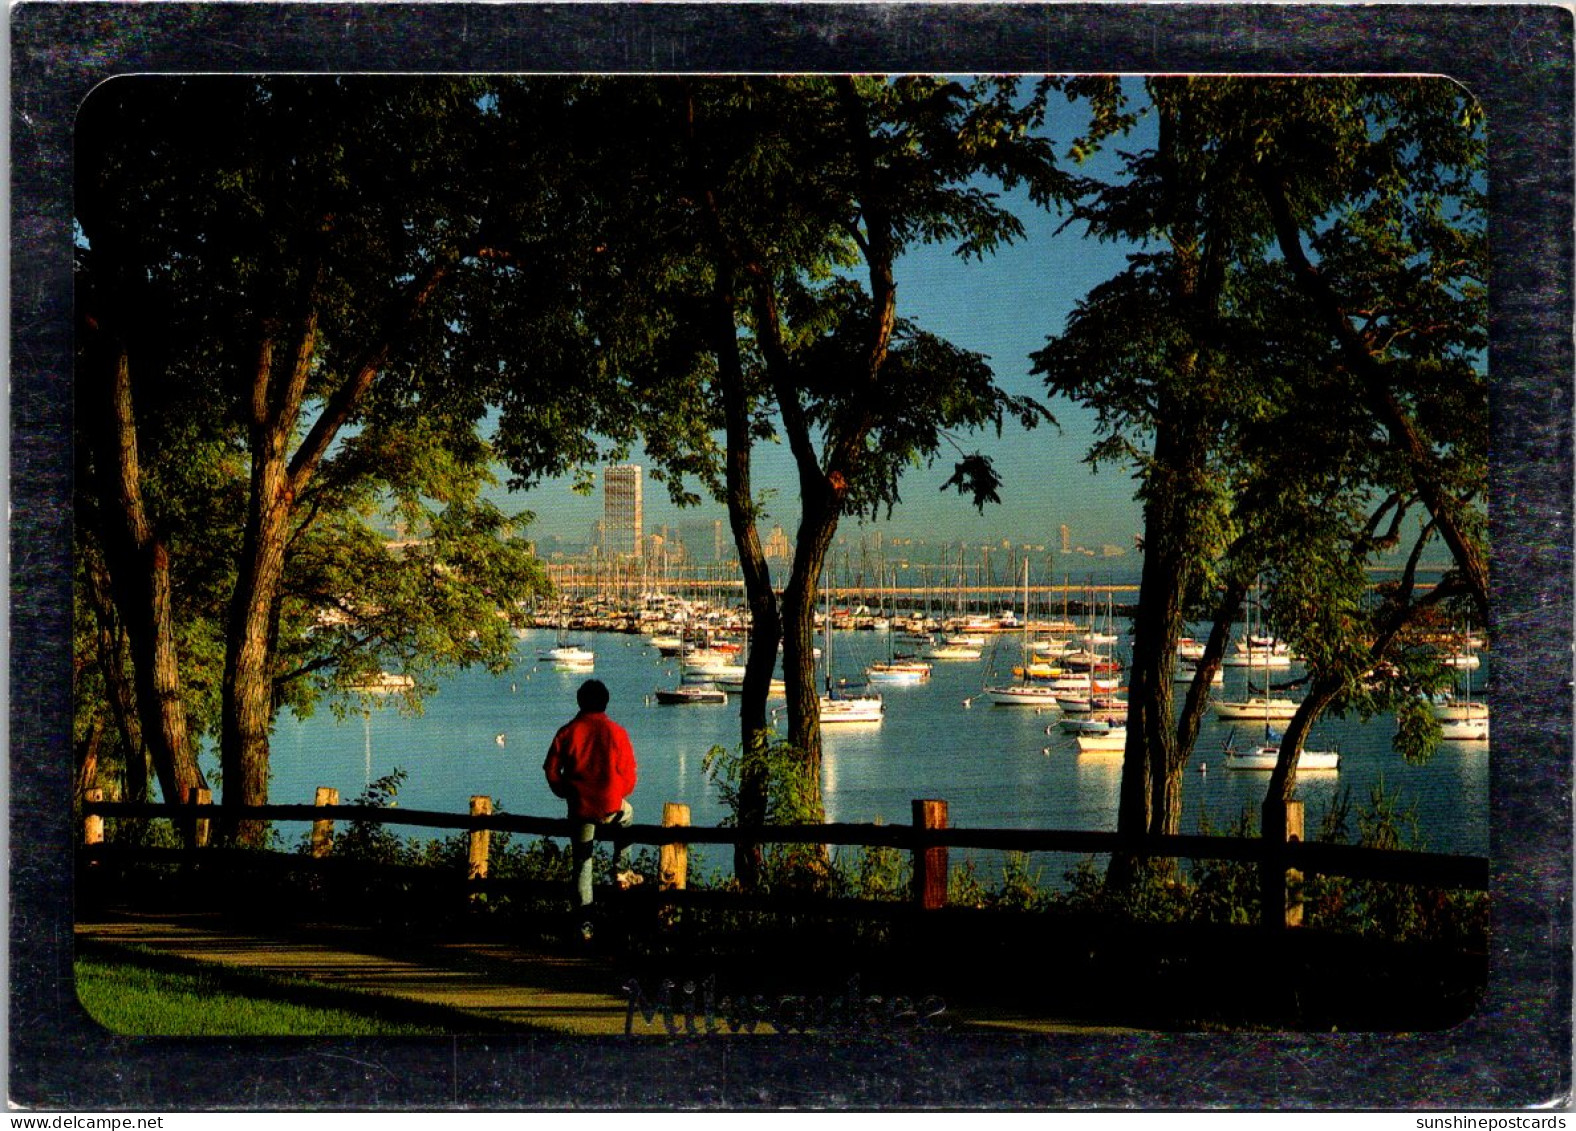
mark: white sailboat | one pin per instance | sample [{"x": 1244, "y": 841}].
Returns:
[
  {"x": 1113, "y": 740},
  {"x": 1272, "y": 708},
  {"x": 948, "y": 650},
  {"x": 903, "y": 670},
  {"x": 1460, "y": 719},
  {"x": 838, "y": 706},
  {"x": 565, "y": 656},
  {"x": 1024, "y": 693},
  {"x": 1264, "y": 758},
  {"x": 1268, "y": 708},
  {"x": 1464, "y": 730}
]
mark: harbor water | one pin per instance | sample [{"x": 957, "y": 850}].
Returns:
[{"x": 995, "y": 766}]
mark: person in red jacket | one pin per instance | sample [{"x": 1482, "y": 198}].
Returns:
[{"x": 591, "y": 765}]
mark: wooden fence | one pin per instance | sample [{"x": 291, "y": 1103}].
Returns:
[{"x": 927, "y": 840}]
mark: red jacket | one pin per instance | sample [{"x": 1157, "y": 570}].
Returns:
[{"x": 591, "y": 764}]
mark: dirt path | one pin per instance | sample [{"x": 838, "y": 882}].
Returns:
[
  {"x": 502, "y": 983},
  {"x": 498, "y": 983}
]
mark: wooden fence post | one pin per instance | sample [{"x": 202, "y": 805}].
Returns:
[
  {"x": 323, "y": 829},
  {"x": 200, "y": 825},
  {"x": 1293, "y": 878},
  {"x": 93, "y": 824},
  {"x": 480, "y": 839},
  {"x": 673, "y": 859},
  {"x": 930, "y": 863},
  {"x": 1280, "y": 887}
]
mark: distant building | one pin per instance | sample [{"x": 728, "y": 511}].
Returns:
[
  {"x": 777, "y": 546},
  {"x": 1067, "y": 539},
  {"x": 623, "y": 511},
  {"x": 665, "y": 548}
]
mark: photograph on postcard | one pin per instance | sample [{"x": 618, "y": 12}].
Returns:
[{"x": 781, "y": 554}]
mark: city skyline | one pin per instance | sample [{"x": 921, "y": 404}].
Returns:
[
  {"x": 1003, "y": 306},
  {"x": 1045, "y": 482}
]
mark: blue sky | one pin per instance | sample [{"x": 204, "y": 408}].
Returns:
[{"x": 1004, "y": 307}]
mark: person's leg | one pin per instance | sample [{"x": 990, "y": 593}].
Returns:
[
  {"x": 581, "y": 847},
  {"x": 622, "y": 819}
]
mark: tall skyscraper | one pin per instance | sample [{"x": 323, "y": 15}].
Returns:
[
  {"x": 623, "y": 514},
  {"x": 1067, "y": 539}
]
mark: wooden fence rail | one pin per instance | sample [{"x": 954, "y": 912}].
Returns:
[{"x": 926, "y": 840}]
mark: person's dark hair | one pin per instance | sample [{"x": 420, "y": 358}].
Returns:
[{"x": 592, "y": 695}]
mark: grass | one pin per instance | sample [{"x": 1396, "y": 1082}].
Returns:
[{"x": 133, "y": 999}]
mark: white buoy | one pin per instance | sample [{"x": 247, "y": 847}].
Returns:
[
  {"x": 968, "y": 702},
  {"x": 1047, "y": 730},
  {"x": 1046, "y": 750},
  {"x": 499, "y": 738},
  {"x": 1203, "y": 767}
]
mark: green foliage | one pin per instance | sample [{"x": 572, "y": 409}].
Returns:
[
  {"x": 1226, "y": 891},
  {"x": 252, "y": 257},
  {"x": 876, "y": 872},
  {"x": 1390, "y": 910},
  {"x": 792, "y": 798},
  {"x": 1155, "y": 893},
  {"x": 1275, "y": 431},
  {"x": 373, "y": 842},
  {"x": 1019, "y": 886}
]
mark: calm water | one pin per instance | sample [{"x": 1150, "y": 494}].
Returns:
[{"x": 995, "y": 766}]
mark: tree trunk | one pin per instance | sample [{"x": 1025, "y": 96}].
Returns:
[
  {"x": 755, "y": 735},
  {"x": 114, "y": 662},
  {"x": 1150, "y": 798},
  {"x": 247, "y": 707},
  {"x": 278, "y": 479},
  {"x": 1197, "y": 704},
  {"x": 1283, "y": 779},
  {"x": 817, "y": 525},
  {"x": 248, "y": 678},
  {"x": 138, "y": 568},
  {"x": 87, "y": 758},
  {"x": 765, "y": 622}
]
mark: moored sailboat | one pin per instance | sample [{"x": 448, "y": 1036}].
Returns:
[
  {"x": 1024, "y": 693},
  {"x": 838, "y": 706}
]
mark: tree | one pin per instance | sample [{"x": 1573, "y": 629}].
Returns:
[
  {"x": 896, "y": 164},
  {"x": 756, "y": 201},
  {"x": 298, "y": 295},
  {"x": 1283, "y": 432},
  {"x": 1153, "y": 352}
]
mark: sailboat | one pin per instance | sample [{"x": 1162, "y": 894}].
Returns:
[
  {"x": 1267, "y": 707},
  {"x": 1094, "y": 676},
  {"x": 1111, "y": 741},
  {"x": 1024, "y": 693},
  {"x": 837, "y": 706},
  {"x": 896, "y": 669},
  {"x": 1264, "y": 757},
  {"x": 689, "y": 693},
  {"x": 568, "y": 657},
  {"x": 1460, "y": 719}
]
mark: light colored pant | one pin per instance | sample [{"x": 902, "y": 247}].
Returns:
[{"x": 583, "y": 844}]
